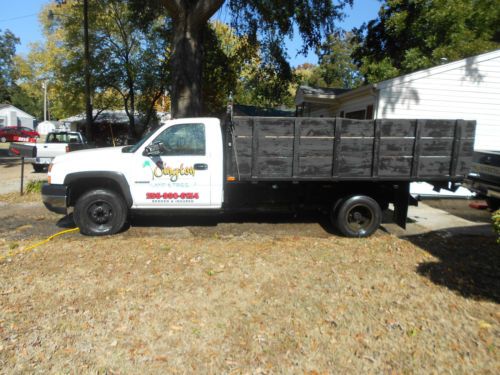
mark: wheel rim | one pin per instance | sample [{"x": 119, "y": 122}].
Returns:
[
  {"x": 100, "y": 214},
  {"x": 360, "y": 218}
]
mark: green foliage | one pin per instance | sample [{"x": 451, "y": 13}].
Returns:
[
  {"x": 34, "y": 186},
  {"x": 227, "y": 57},
  {"x": 129, "y": 61},
  {"x": 8, "y": 43},
  {"x": 263, "y": 24},
  {"x": 336, "y": 67},
  {"x": 232, "y": 64},
  {"x": 415, "y": 34},
  {"x": 496, "y": 223}
]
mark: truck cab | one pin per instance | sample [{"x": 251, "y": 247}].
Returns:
[{"x": 176, "y": 167}]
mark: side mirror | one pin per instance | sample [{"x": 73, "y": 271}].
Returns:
[{"x": 154, "y": 149}]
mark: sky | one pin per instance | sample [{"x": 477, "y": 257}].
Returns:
[{"x": 21, "y": 17}]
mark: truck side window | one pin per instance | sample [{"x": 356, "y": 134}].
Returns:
[{"x": 183, "y": 139}]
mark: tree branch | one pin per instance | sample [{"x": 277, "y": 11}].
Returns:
[
  {"x": 174, "y": 7},
  {"x": 204, "y": 9}
]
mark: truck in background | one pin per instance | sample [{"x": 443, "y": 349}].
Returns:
[
  {"x": 484, "y": 179},
  {"x": 349, "y": 169},
  {"x": 56, "y": 143}
]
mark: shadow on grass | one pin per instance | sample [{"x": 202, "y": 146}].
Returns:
[
  {"x": 212, "y": 220},
  {"x": 468, "y": 264}
]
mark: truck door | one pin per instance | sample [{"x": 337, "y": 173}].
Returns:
[{"x": 179, "y": 175}]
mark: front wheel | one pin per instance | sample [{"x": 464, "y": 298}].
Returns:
[
  {"x": 100, "y": 213},
  {"x": 357, "y": 216},
  {"x": 3, "y": 139}
]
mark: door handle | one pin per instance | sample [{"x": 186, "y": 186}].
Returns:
[{"x": 200, "y": 167}]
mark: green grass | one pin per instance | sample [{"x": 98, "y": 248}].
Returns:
[{"x": 35, "y": 186}]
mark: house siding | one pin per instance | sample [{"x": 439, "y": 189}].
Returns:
[
  {"x": 13, "y": 116},
  {"x": 469, "y": 91}
]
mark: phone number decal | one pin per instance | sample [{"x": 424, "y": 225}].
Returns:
[{"x": 172, "y": 196}]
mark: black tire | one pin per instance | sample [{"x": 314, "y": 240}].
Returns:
[
  {"x": 100, "y": 212},
  {"x": 493, "y": 203},
  {"x": 357, "y": 216},
  {"x": 38, "y": 168}
]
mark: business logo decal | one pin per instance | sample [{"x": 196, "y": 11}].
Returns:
[{"x": 159, "y": 170}]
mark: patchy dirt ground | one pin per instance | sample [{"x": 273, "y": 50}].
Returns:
[
  {"x": 270, "y": 295},
  {"x": 10, "y": 172}
]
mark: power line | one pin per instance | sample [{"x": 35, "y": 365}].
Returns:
[{"x": 18, "y": 18}]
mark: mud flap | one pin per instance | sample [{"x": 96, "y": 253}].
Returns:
[{"x": 401, "y": 202}]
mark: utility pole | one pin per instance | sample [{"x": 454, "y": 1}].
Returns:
[
  {"x": 44, "y": 86},
  {"x": 86, "y": 59}
]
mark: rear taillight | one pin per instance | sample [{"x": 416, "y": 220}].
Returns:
[{"x": 67, "y": 148}]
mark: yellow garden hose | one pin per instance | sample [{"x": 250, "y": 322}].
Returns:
[{"x": 29, "y": 248}]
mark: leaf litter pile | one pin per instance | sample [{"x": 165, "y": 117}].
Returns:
[{"x": 181, "y": 302}]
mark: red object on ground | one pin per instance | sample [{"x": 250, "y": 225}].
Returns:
[{"x": 478, "y": 205}]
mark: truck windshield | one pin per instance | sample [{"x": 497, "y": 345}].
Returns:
[{"x": 134, "y": 148}]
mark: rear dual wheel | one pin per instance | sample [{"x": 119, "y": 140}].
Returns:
[{"x": 356, "y": 216}]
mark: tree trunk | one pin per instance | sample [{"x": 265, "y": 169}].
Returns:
[
  {"x": 131, "y": 114},
  {"x": 89, "y": 123},
  {"x": 186, "y": 68}
]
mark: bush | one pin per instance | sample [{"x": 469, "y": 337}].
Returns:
[
  {"x": 34, "y": 186},
  {"x": 496, "y": 223}
]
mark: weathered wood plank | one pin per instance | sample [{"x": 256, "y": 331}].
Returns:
[
  {"x": 396, "y": 147},
  {"x": 397, "y": 128},
  {"x": 279, "y": 167},
  {"x": 275, "y": 127},
  {"x": 438, "y": 128},
  {"x": 255, "y": 149},
  {"x": 316, "y": 147},
  {"x": 355, "y": 164},
  {"x": 434, "y": 166},
  {"x": 356, "y": 128},
  {"x": 315, "y": 166},
  {"x": 336, "y": 147},
  {"x": 469, "y": 130},
  {"x": 395, "y": 166},
  {"x": 317, "y": 127},
  {"x": 376, "y": 149},
  {"x": 436, "y": 147},
  {"x": 278, "y": 147},
  {"x": 361, "y": 145},
  {"x": 296, "y": 147},
  {"x": 243, "y": 146},
  {"x": 417, "y": 146},
  {"x": 243, "y": 126}
]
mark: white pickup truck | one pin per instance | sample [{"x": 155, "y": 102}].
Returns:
[
  {"x": 350, "y": 169},
  {"x": 56, "y": 143}
]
